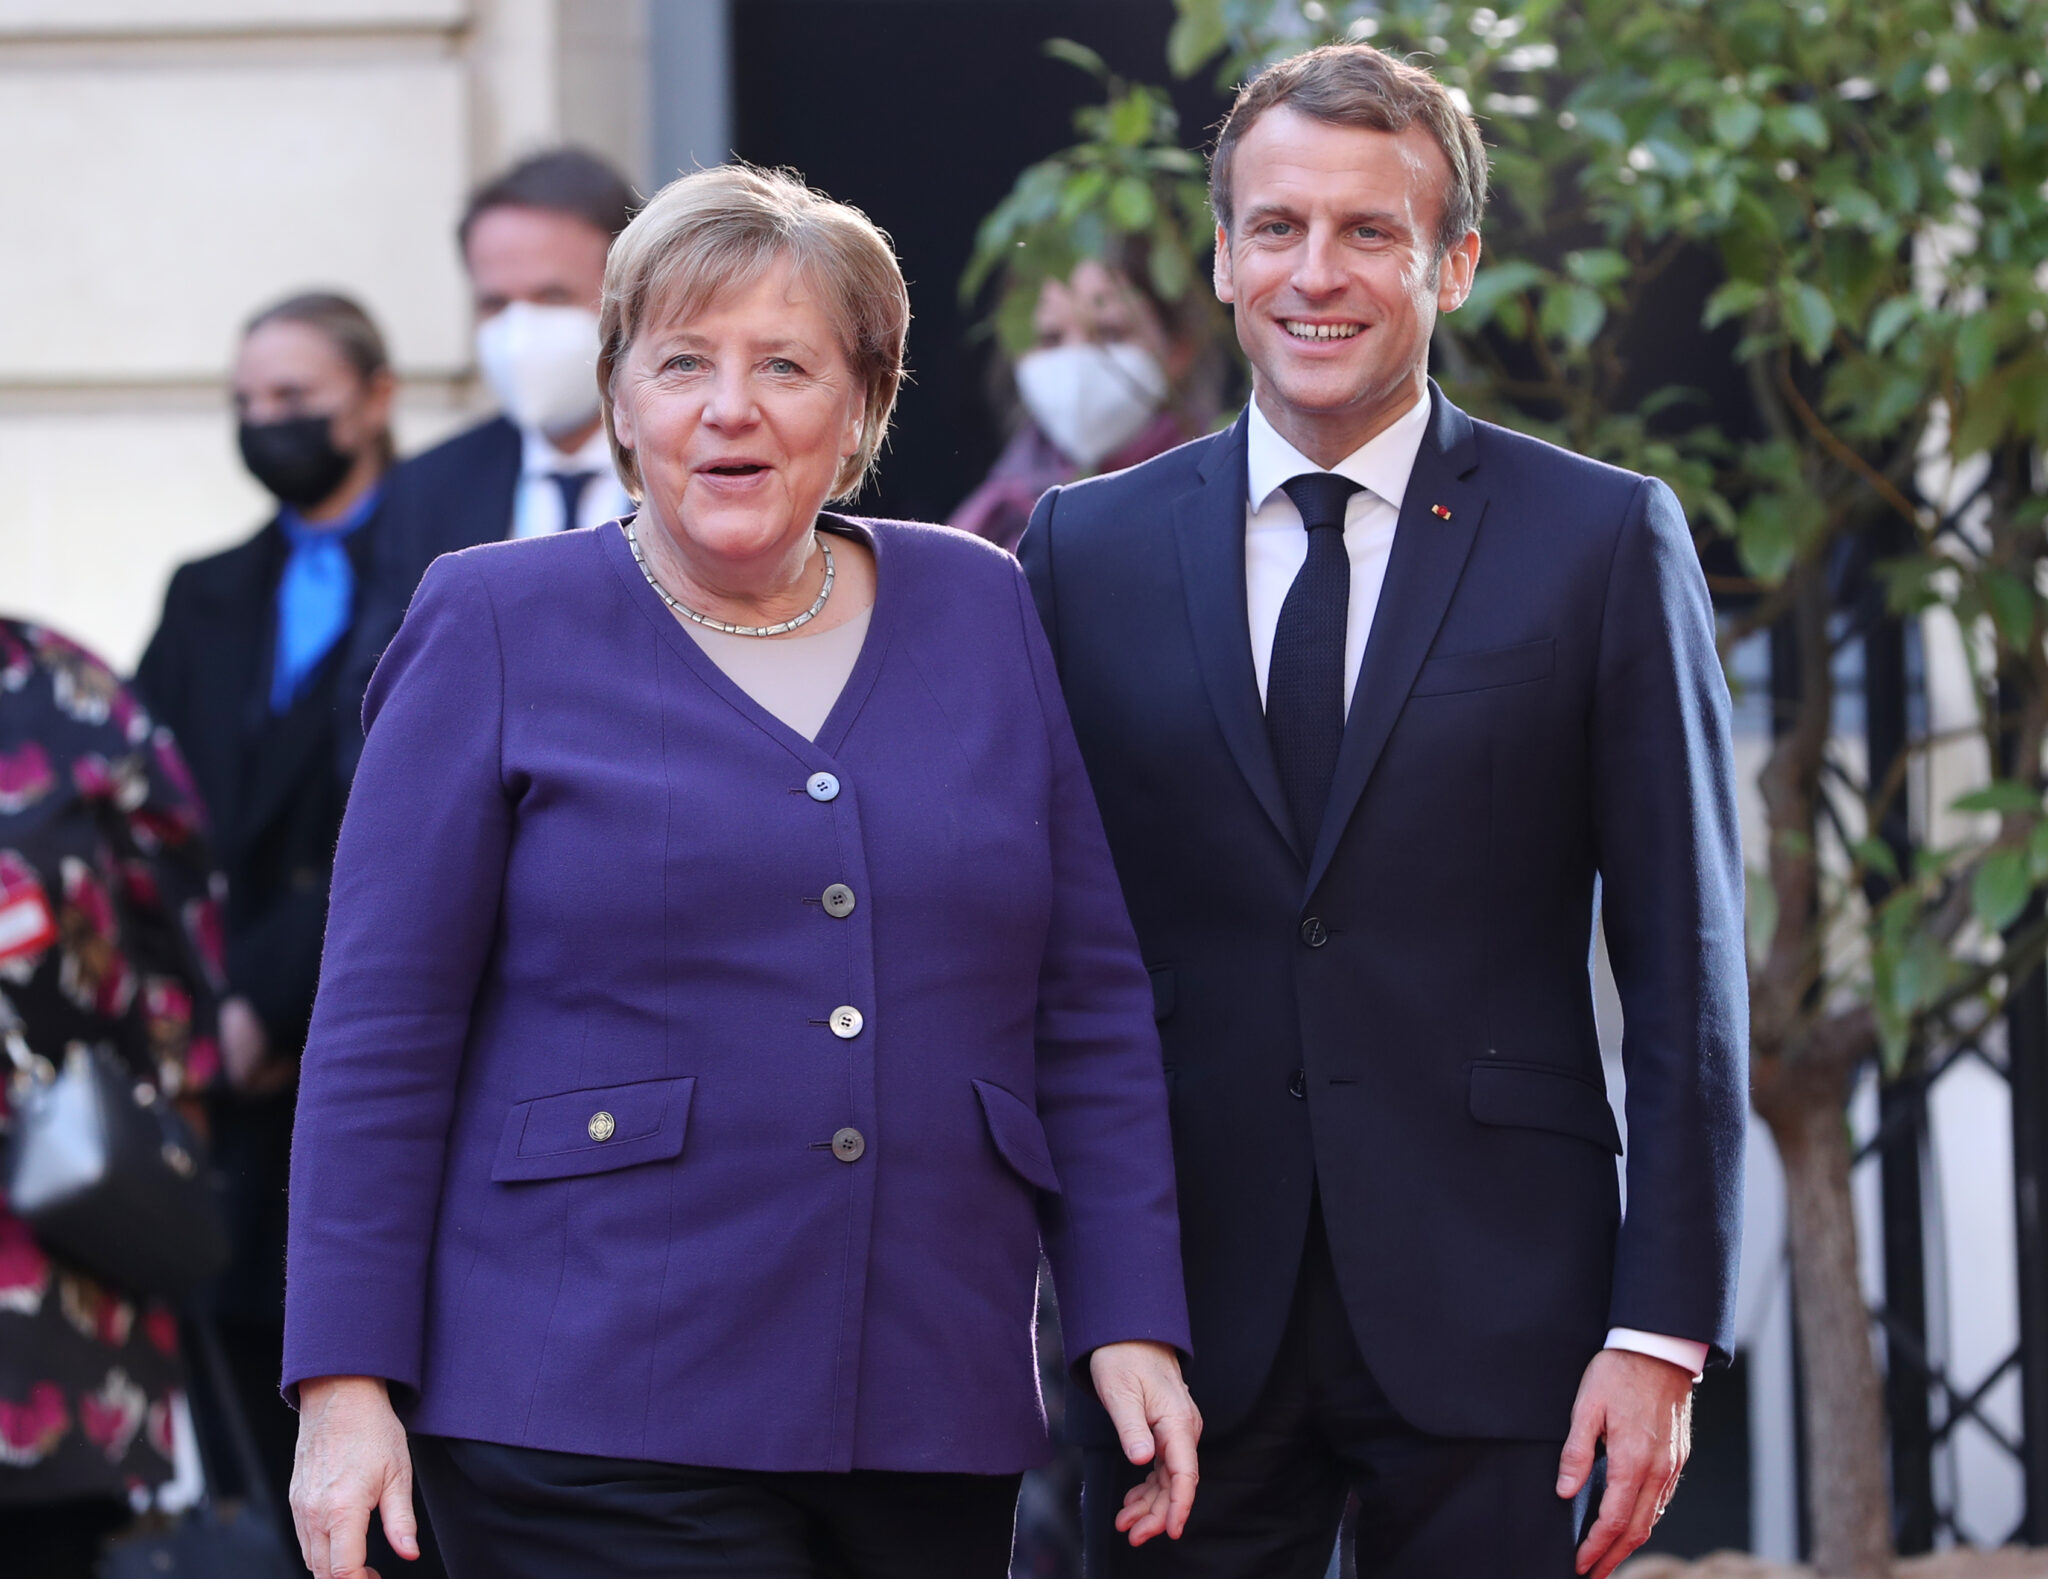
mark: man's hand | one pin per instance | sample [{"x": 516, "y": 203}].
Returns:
[
  {"x": 351, "y": 1458},
  {"x": 1158, "y": 1424},
  {"x": 1642, "y": 1407}
]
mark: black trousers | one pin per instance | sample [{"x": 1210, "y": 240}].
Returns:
[
  {"x": 1273, "y": 1487},
  {"x": 522, "y": 1513}
]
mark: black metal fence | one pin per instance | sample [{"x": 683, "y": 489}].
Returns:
[{"x": 1925, "y": 1404}]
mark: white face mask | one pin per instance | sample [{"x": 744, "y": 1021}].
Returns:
[
  {"x": 1091, "y": 400},
  {"x": 541, "y": 363}
]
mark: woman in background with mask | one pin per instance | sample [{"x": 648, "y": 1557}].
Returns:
[
  {"x": 242, "y": 670},
  {"x": 1115, "y": 376}
]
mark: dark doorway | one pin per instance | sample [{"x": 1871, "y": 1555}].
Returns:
[{"x": 922, "y": 112}]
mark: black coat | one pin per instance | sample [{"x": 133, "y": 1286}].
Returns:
[
  {"x": 1401, "y": 1018},
  {"x": 455, "y": 495},
  {"x": 274, "y": 795}
]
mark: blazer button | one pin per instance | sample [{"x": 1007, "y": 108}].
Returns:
[
  {"x": 603, "y": 1126},
  {"x": 822, "y": 786},
  {"x": 839, "y": 901},
  {"x": 848, "y": 1145},
  {"x": 846, "y": 1023},
  {"x": 1314, "y": 933},
  {"x": 1298, "y": 1087}
]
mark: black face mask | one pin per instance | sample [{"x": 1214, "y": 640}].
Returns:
[{"x": 295, "y": 459}]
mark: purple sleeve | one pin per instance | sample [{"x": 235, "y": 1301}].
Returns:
[
  {"x": 1113, "y": 1234},
  {"x": 417, "y": 878}
]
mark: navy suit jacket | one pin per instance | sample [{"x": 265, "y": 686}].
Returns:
[
  {"x": 274, "y": 798},
  {"x": 455, "y": 495},
  {"x": 1402, "y": 1015},
  {"x": 580, "y": 875}
]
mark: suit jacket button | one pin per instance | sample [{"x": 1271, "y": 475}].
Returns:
[
  {"x": 602, "y": 1126},
  {"x": 839, "y": 901},
  {"x": 1298, "y": 1087},
  {"x": 822, "y": 786},
  {"x": 1314, "y": 933},
  {"x": 846, "y": 1023},
  {"x": 848, "y": 1145}
]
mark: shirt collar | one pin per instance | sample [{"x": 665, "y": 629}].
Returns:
[
  {"x": 1381, "y": 464},
  {"x": 539, "y": 458},
  {"x": 298, "y": 529}
]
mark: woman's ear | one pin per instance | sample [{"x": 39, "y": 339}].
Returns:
[
  {"x": 622, "y": 415},
  {"x": 380, "y": 391}
]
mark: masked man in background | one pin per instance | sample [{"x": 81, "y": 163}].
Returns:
[{"x": 533, "y": 244}]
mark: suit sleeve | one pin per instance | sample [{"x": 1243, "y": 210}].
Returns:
[
  {"x": 417, "y": 879},
  {"x": 1671, "y": 874},
  {"x": 1113, "y": 1233},
  {"x": 1034, "y": 552}
]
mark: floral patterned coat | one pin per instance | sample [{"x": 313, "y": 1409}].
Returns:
[{"x": 109, "y": 933}]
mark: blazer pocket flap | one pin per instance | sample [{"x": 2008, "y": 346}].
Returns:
[
  {"x": 1538, "y": 1096},
  {"x": 594, "y": 1130},
  {"x": 1482, "y": 671},
  {"x": 1018, "y": 1136}
]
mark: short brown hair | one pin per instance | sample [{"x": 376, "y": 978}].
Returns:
[
  {"x": 349, "y": 329},
  {"x": 562, "y": 181},
  {"x": 1358, "y": 85},
  {"x": 708, "y": 232}
]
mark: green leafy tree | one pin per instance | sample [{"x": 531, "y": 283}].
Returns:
[
  {"x": 1869, "y": 185},
  {"x": 1127, "y": 188}
]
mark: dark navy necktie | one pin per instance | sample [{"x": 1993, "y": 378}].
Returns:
[
  {"x": 572, "y": 485},
  {"x": 1305, "y": 681}
]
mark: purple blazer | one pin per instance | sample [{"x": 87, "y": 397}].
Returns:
[{"x": 590, "y": 1154}]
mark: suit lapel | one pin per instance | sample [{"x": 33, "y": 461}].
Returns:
[
  {"x": 497, "y": 500},
  {"x": 1208, "y": 523},
  {"x": 232, "y": 633},
  {"x": 277, "y": 744},
  {"x": 1423, "y": 568}
]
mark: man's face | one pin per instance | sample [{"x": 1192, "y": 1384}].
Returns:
[
  {"x": 1329, "y": 263},
  {"x": 534, "y": 255}
]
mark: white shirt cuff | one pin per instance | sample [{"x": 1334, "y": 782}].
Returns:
[{"x": 1685, "y": 1353}]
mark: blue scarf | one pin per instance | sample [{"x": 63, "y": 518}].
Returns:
[{"x": 316, "y": 596}]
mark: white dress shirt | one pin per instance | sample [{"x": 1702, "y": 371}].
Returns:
[
  {"x": 1276, "y": 546},
  {"x": 1275, "y": 543},
  {"x": 537, "y": 505}
]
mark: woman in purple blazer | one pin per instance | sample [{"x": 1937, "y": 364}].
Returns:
[{"x": 727, "y": 991}]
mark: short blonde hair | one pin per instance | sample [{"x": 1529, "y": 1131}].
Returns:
[{"x": 707, "y": 232}]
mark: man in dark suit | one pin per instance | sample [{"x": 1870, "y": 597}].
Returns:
[
  {"x": 1383, "y": 706},
  {"x": 244, "y": 669},
  {"x": 533, "y": 244}
]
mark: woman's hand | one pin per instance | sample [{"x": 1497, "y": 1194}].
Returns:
[
  {"x": 1158, "y": 1424},
  {"x": 245, "y": 1050},
  {"x": 351, "y": 1458}
]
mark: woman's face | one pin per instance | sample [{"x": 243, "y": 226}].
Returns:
[
  {"x": 1096, "y": 305},
  {"x": 740, "y": 417},
  {"x": 287, "y": 370}
]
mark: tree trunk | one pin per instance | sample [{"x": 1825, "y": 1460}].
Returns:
[{"x": 1848, "y": 1502}]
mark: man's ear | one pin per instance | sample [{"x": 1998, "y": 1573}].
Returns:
[
  {"x": 1454, "y": 274},
  {"x": 1226, "y": 287}
]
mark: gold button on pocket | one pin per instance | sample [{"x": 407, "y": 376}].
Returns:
[
  {"x": 839, "y": 901},
  {"x": 602, "y": 1126}
]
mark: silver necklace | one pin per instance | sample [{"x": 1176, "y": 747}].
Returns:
[{"x": 688, "y": 613}]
